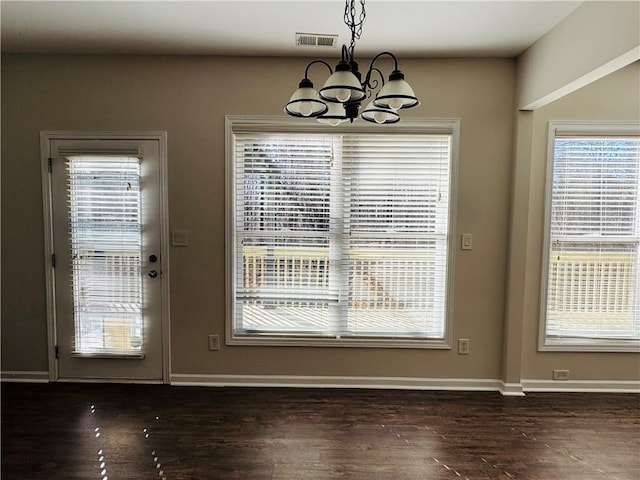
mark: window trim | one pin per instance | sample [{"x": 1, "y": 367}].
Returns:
[
  {"x": 245, "y": 124},
  {"x": 568, "y": 344}
]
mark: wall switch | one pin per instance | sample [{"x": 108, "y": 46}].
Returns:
[
  {"x": 463, "y": 346},
  {"x": 214, "y": 342},
  {"x": 466, "y": 242},
  {"x": 561, "y": 374}
]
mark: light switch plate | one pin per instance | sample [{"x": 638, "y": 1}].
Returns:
[{"x": 466, "y": 241}]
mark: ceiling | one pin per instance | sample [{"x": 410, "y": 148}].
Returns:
[{"x": 267, "y": 28}]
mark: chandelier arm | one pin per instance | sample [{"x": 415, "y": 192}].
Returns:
[
  {"x": 372, "y": 83},
  {"x": 306, "y": 70},
  {"x": 395, "y": 60}
]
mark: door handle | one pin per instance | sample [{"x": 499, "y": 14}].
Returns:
[{"x": 152, "y": 274}]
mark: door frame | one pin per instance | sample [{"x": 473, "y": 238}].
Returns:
[{"x": 161, "y": 138}]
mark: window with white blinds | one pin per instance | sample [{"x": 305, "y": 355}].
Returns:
[
  {"x": 592, "y": 295},
  {"x": 103, "y": 198},
  {"x": 340, "y": 237}
]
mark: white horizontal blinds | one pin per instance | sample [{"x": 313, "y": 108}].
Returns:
[
  {"x": 341, "y": 235},
  {"x": 395, "y": 233},
  {"x": 593, "y": 284},
  {"x": 283, "y": 226},
  {"x": 103, "y": 193}
]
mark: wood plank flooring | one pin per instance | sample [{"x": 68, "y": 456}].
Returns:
[{"x": 130, "y": 432}]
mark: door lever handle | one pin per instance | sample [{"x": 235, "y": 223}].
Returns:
[{"x": 152, "y": 274}]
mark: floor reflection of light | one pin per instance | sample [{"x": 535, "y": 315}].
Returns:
[
  {"x": 154, "y": 454},
  {"x": 105, "y": 434},
  {"x": 102, "y": 463},
  {"x": 102, "y": 466},
  {"x": 156, "y": 460}
]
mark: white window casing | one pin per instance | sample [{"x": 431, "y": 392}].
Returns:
[
  {"x": 340, "y": 236},
  {"x": 590, "y": 293}
]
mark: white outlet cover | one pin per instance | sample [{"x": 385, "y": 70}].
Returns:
[{"x": 179, "y": 238}]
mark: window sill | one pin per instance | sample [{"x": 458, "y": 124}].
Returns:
[
  {"x": 589, "y": 345},
  {"x": 269, "y": 340},
  {"x": 107, "y": 355}
]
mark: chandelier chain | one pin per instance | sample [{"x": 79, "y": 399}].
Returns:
[{"x": 354, "y": 22}]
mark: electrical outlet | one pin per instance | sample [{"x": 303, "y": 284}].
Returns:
[
  {"x": 561, "y": 374},
  {"x": 463, "y": 346},
  {"x": 214, "y": 342},
  {"x": 179, "y": 238}
]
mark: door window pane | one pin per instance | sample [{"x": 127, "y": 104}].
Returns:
[{"x": 104, "y": 203}]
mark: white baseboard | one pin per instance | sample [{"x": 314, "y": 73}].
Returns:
[
  {"x": 406, "y": 383},
  {"x": 511, "y": 389},
  {"x": 24, "y": 376},
  {"x": 124, "y": 381},
  {"x": 594, "y": 386},
  {"x": 397, "y": 383}
]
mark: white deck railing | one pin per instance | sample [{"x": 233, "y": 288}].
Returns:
[
  {"x": 589, "y": 292},
  {"x": 377, "y": 278}
]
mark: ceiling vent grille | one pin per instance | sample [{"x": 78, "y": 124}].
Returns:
[{"x": 316, "y": 40}]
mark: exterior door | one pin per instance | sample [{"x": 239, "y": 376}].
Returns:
[{"x": 107, "y": 258}]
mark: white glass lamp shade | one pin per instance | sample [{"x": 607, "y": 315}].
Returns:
[
  {"x": 342, "y": 86},
  {"x": 396, "y": 93},
  {"x": 305, "y": 102},
  {"x": 335, "y": 115},
  {"x": 381, "y": 115}
]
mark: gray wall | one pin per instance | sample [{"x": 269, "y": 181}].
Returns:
[{"x": 189, "y": 97}]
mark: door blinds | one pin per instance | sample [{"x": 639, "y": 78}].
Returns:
[{"x": 103, "y": 195}]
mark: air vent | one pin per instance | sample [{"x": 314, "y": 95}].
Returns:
[{"x": 316, "y": 40}]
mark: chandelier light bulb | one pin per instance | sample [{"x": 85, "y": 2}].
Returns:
[
  {"x": 305, "y": 108},
  {"x": 335, "y": 115},
  {"x": 395, "y": 103},
  {"x": 342, "y": 95},
  {"x": 380, "y": 117}
]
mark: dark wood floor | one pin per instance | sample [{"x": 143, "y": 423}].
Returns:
[{"x": 127, "y": 432}]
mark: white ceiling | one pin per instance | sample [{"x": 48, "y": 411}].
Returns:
[{"x": 240, "y": 27}]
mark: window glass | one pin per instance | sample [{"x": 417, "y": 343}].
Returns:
[
  {"x": 592, "y": 278},
  {"x": 340, "y": 236}
]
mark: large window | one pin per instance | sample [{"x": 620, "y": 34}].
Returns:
[
  {"x": 338, "y": 236},
  {"x": 592, "y": 289}
]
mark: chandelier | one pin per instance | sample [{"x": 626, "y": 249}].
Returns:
[{"x": 343, "y": 93}]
